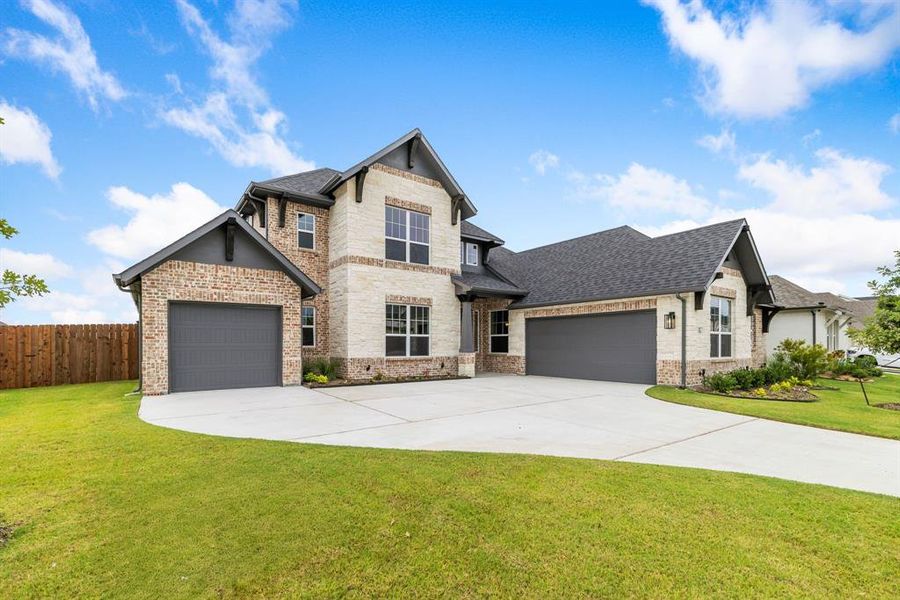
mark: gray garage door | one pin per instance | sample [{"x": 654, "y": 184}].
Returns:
[
  {"x": 220, "y": 346},
  {"x": 609, "y": 347}
]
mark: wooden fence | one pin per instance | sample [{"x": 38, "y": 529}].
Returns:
[{"x": 37, "y": 355}]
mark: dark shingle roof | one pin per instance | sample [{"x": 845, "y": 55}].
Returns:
[
  {"x": 487, "y": 283},
  {"x": 467, "y": 229},
  {"x": 790, "y": 295},
  {"x": 618, "y": 263},
  {"x": 308, "y": 182}
]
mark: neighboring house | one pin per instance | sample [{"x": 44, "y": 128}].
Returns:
[
  {"x": 379, "y": 268},
  {"x": 815, "y": 317}
]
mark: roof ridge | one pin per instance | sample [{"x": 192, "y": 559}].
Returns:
[
  {"x": 579, "y": 237},
  {"x": 295, "y": 174},
  {"x": 659, "y": 237}
]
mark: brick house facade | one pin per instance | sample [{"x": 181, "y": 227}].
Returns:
[{"x": 351, "y": 283}]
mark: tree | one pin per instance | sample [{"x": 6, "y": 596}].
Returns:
[
  {"x": 14, "y": 284},
  {"x": 881, "y": 331}
]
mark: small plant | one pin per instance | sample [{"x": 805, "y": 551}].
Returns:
[
  {"x": 379, "y": 376},
  {"x": 807, "y": 383},
  {"x": 723, "y": 383},
  {"x": 760, "y": 392},
  {"x": 311, "y": 377},
  {"x": 321, "y": 366},
  {"x": 778, "y": 369}
]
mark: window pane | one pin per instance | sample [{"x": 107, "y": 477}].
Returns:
[
  {"x": 395, "y": 319},
  {"x": 305, "y": 239},
  {"x": 725, "y": 315},
  {"x": 395, "y": 250},
  {"x": 395, "y": 345},
  {"x": 499, "y": 343},
  {"x": 309, "y": 336},
  {"x": 394, "y": 222},
  {"x": 309, "y": 316},
  {"x": 714, "y": 345},
  {"x": 418, "y": 254},
  {"x": 418, "y": 320},
  {"x": 306, "y": 223},
  {"x": 476, "y": 329},
  {"x": 419, "y": 227},
  {"x": 499, "y": 322},
  {"x": 462, "y": 252},
  {"x": 472, "y": 254},
  {"x": 714, "y": 314},
  {"x": 725, "y": 346},
  {"x": 418, "y": 346}
]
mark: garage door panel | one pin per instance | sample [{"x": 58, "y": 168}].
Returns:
[
  {"x": 219, "y": 346},
  {"x": 609, "y": 347}
]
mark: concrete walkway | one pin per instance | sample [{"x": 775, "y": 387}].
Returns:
[{"x": 537, "y": 415}]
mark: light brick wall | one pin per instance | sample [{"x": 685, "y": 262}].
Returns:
[
  {"x": 197, "y": 282},
  {"x": 361, "y": 281},
  {"x": 314, "y": 263},
  {"x": 485, "y": 360}
]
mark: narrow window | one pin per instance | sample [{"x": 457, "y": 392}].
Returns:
[
  {"x": 719, "y": 327},
  {"x": 407, "y": 235},
  {"x": 471, "y": 254},
  {"x": 500, "y": 331},
  {"x": 407, "y": 330},
  {"x": 308, "y": 325},
  {"x": 306, "y": 231},
  {"x": 476, "y": 329}
]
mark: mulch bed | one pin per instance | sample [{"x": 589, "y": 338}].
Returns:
[
  {"x": 796, "y": 394},
  {"x": 346, "y": 383},
  {"x": 845, "y": 378},
  {"x": 889, "y": 405}
]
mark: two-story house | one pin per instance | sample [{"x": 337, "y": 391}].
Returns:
[{"x": 379, "y": 268}]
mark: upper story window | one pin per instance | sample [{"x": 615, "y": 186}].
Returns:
[
  {"x": 407, "y": 235},
  {"x": 308, "y": 325},
  {"x": 306, "y": 231},
  {"x": 407, "y": 330},
  {"x": 468, "y": 253},
  {"x": 500, "y": 331},
  {"x": 719, "y": 327}
]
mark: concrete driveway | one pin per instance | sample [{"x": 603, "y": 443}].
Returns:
[{"x": 537, "y": 415}]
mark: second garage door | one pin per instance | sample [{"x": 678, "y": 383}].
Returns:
[
  {"x": 220, "y": 346},
  {"x": 608, "y": 347}
]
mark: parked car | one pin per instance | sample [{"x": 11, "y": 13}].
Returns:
[{"x": 884, "y": 360}]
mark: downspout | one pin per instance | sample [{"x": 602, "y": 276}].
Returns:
[
  {"x": 683, "y": 340},
  {"x": 813, "y": 313}
]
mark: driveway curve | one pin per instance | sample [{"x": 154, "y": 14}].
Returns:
[{"x": 537, "y": 415}]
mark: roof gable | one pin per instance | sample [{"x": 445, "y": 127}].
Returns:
[
  {"x": 623, "y": 263},
  {"x": 206, "y": 244},
  {"x": 396, "y": 154}
]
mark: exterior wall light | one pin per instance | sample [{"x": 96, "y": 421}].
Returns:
[{"x": 669, "y": 320}]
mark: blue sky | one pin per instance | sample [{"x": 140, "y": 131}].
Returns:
[{"x": 130, "y": 124}]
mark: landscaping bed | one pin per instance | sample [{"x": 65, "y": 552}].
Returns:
[
  {"x": 794, "y": 394},
  {"x": 382, "y": 380}
]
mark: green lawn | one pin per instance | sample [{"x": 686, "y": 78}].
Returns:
[
  {"x": 844, "y": 409},
  {"x": 109, "y": 506}
]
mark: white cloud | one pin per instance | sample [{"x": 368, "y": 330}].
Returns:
[
  {"x": 24, "y": 138},
  {"x": 155, "y": 222},
  {"x": 73, "y": 307},
  {"x": 840, "y": 184},
  {"x": 543, "y": 160},
  {"x": 767, "y": 60},
  {"x": 237, "y": 117},
  {"x": 811, "y": 137},
  {"x": 70, "y": 52},
  {"x": 894, "y": 123},
  {"x": 43, "y": 265},
  {"x": 642, "y": 188},
  {"x": 724, "y": 142}
]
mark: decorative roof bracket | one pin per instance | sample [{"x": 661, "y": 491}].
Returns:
[
  {"x": 360, "y": 181},
  {"x": 413, "y": 148},
  {"x": 455, "y": 208},
  {"x": 282, "y": 207},
  {"x": 229, "y": 239}
]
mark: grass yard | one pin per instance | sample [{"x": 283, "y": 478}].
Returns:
[
  {"x": 844, "y": 409},
  {"x": 105, "y": 505}
]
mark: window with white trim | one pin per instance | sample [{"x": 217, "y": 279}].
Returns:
[
  {"x": 468, "y": 254},
  {"x": 308, "y": 325},
  {"x": 831, "y": 335},
  {"x": 407, "y": 235},
  {"x": 306, "y": 231},
  {"x": 719, "y": 327},
  {"x": 407, "y": 330},
  {"x": 500, "y": 331}
]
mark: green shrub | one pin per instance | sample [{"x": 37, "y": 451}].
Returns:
[
  {"x": 808, "y": 361},
  {"x": 315, "y": 378},
  {"x": 724, "y": 383},
  {"x": 866, "y": 361},
  {"x": 749, "y": 378},
  {"x": 321, "y": 366},
  {"x": 778, "y": 370}
]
